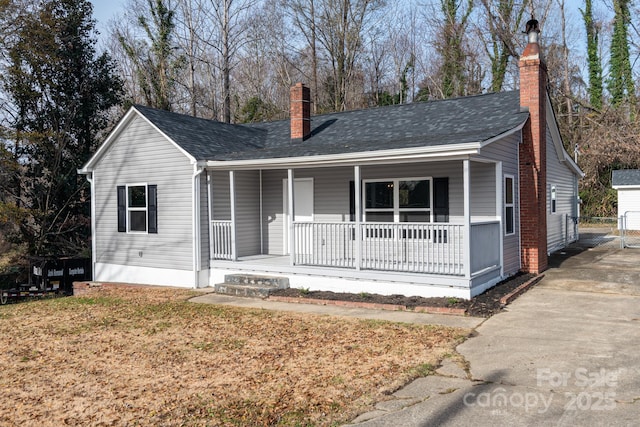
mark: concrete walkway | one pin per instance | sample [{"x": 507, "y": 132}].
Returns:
[{"x": 566, "y": 353}]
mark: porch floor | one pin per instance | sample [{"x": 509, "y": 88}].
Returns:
[
  {"x": 274, "y": 260},
  {"x": 281, "y": 264}
]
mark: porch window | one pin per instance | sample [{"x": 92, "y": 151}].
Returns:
[
  {"x": 398, "y": 200},
  {"x": 509, "y": 210},
  {"x": 137, "y": 208}
]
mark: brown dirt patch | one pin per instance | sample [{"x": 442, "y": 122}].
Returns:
[
  {"x": 145, "y": 356},
  {"x": 484, "y": 305}
]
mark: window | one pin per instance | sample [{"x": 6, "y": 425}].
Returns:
[
  {"x": 553, "y": 199},
  {"x": 398, "y": 200},
  {"x": 137, "y": 208},
  {"x": 509, "y": 210}
]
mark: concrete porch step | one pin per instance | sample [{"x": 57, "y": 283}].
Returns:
[{"x": 250, "y": 285}]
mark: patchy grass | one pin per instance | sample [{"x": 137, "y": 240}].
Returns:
[{"x": 146, "y": 356}]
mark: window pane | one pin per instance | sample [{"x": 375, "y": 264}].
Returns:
[
  {"x": 508, "y": 190},
  {"x": 137, "y": 221},
  {"x": 414, "y": 194},
  {"x": 379, "y": 194},
  {"x": 137, "y": 197},
  {"x": 508, "y": 221},
  {"x": 379, "y": 217},
  {"x": 415, "y": 216}
]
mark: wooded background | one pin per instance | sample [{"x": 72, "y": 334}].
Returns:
[{"x": 63, "y": 86}]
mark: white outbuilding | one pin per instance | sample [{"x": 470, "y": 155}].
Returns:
[{"x": 627, "y": 183}]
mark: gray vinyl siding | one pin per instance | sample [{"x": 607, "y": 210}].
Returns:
[
  {"x": 331, "y": 192},
  {"x": 506, "y": 151},
  {"x": 331, "y": 200},
  {"x": 564, "y": 179},
  {"x": 221, "y": 206},
  {"x": 247, "y": 187},
  {"x": 141, "y": 155},
  {"x": 483, "y": 191},
  {"x": 204, "y": 222}
]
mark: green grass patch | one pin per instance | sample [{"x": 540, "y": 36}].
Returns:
[{"x": 423, "y": 370}]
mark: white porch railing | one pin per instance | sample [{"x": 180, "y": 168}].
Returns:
[
  {"x": 330, "y": 244},
  {"x": 435, "y": 248},
  {"x": 221, "y": 242},
  {"x": 410, "y": 247}
]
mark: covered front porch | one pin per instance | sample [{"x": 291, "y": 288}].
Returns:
[{"x": 426, "y": 228}]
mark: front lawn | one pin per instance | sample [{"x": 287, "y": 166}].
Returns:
[{"x": 146, "y": 356}]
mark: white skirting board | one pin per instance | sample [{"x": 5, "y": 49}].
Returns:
[
  {"x": 351, "y": 285},
  {"x": 143, "y": 275}
]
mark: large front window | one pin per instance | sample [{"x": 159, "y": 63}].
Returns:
[{"x": 398, "y": 200}]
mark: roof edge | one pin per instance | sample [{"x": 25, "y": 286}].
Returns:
[
  {"x": 122, "y": 124},
  {"x": 562, "y": 154},
  {"x": 465, "y": 149}
]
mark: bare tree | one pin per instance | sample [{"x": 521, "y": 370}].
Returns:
[
  {"x": 154, "y": 57},
  {"x": 340, "y": 27},
  {"x": 229, "y": 21},
  {"x": 499, "y": 25},
  {"x": 190, "y": 26},
  {"x": 303, "y": 15}
]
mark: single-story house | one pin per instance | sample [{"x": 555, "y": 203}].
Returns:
[
  {"x": 627, "y": 183},
  {"x": 442, "y": 198}
]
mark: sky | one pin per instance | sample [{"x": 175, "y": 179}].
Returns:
[{"x": 104, "y": 10}]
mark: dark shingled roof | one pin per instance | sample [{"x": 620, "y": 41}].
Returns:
[
  {"x": 626, "y": 177},
  {"x": 202, "y": 138},
  {"x": 422, "y": 124}
]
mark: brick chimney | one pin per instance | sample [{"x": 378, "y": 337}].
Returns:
[
  {"x": 533, "y": 155},
  {"x": 300, "y": 112}
]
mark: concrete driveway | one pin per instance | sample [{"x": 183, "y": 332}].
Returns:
[{"x": 566, "y": 353}]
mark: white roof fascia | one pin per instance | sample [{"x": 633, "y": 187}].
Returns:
[
  {"x": 90, "y": 165},
  {"x": 381, "y": 156},
  {"x": 557, "y": 141},
  {"x": 626, "y": 187}
]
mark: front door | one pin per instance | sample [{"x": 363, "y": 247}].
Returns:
[{"x": 303, "y": 207}]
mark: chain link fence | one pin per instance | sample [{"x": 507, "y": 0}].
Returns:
[{"x": 629, "y": 225}]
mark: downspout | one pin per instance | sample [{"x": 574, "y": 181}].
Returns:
[
  {"x": 500, "y": 212},
  {"x": 197, "y": 170},
  {"x": 517, "y": 219},
  {"x": 93, "y": 225}
]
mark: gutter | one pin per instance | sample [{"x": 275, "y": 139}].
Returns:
[{"x": 381, "y": 156}]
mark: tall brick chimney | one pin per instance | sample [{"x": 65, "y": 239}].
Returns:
[
  {"x": 533, "y": 155},
  {"x": 300, "y": 112}
]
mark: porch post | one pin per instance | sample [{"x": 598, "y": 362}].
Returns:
[
  {"x": 466, "y": 251},
  {"x": 500, "y": 212},
  {"x": 358, "y": 205},
  {"x": 292, "y": 215},
  {"x": 232, "y": 196}
]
